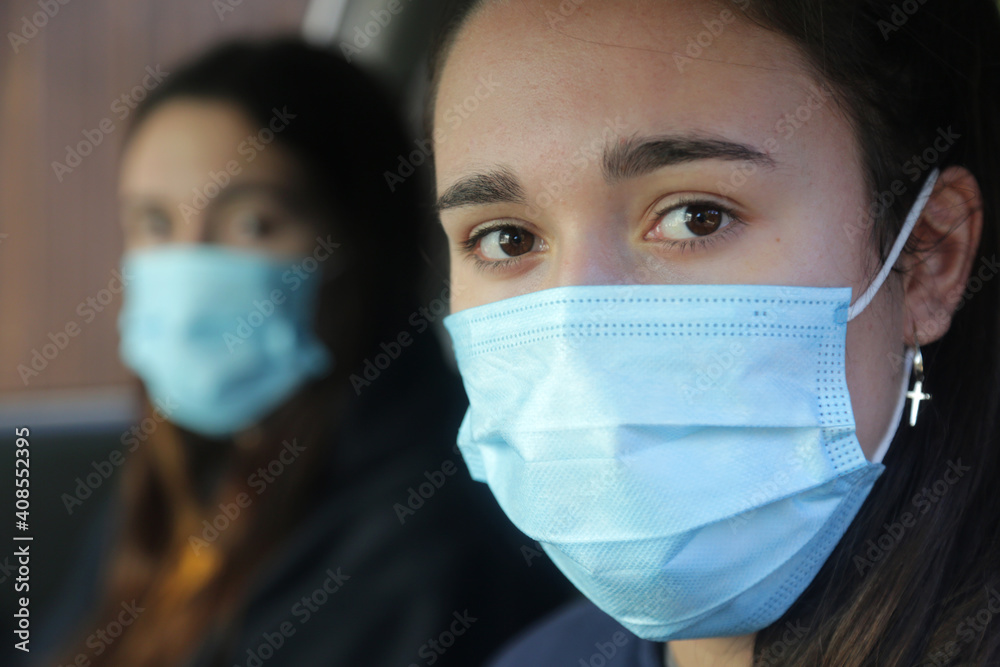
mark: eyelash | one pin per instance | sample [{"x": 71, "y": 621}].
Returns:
[
  {"x": 701, "y": 242},
  {"x": 684, "y": 245},
  {"x": 469, "y": 248}
]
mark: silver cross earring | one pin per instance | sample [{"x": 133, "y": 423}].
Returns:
[{"x": 917, "y": 393}]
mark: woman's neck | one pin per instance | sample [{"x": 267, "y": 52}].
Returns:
[{"x": 710, "y": 652}]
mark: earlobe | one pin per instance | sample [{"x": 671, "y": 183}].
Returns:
[{"x": 946, "y": 238}]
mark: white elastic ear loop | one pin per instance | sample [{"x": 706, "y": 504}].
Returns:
[
  {"x": 883, "y": 446},
  {"x": 897, "y": 248}
]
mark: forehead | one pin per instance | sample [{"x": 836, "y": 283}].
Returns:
[
  {"x": 179, "y": 145},
  {"x": 552, "y": 75},
  {"x": 186, "y": 133}
]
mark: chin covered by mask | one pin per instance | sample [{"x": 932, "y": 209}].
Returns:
[
  {"x": 685, "y": 454},
  {"x": 218, "y": 335}
]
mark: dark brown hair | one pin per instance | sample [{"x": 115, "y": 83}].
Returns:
[
  {"x": 344, "y": 133},
  {"x": 895, "y": 595}
]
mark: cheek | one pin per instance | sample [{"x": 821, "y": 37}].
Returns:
[
  {"x": 295, "y": 241},
  {"x": 875, "y": 364},
  {"x": 468, "y": 288},
  {"x": 815, "y": 245}
]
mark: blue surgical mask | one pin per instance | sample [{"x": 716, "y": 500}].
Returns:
[
  {"x": 685, "y": 454},
  {"x": 217, "y": 334}
]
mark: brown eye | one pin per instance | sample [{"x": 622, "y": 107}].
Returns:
[
  {"x": 156, "y": 223},
  {"x": 252, "y": 225},
  {"x": 703, "y": 220},
  {"x": 688, "y": 221},
  {"x": 506, "y": 242}
]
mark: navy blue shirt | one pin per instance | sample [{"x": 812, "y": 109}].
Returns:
[{"x": 580, "y": 635}]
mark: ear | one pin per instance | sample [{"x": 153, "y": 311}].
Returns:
[{"x": 947, "y": 238}]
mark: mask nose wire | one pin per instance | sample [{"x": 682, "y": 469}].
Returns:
[{"x": 897, "y": 248}]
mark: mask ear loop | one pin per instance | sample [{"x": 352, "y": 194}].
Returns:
[
  {"x": 897, "y": 248},
  {"x": 858, "y": 306}
]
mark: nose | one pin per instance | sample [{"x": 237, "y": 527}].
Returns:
[
  {"x": 190, "y": 225},
  {"x": 594, "y": 252}
]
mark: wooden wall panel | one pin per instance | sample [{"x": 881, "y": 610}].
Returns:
[{"x": 62, "y": 241}]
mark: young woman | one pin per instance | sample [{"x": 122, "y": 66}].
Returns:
[
  {"x": 290, "y": 496},
  {"x": 712, "y": 261}
]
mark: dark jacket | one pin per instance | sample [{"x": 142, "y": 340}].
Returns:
[
  {"x": 580, "y": 635},
  {"x": 402, "y": 561}
]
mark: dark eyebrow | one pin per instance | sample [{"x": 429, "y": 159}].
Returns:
[
  {"x": 631, "y": 158},
  {"x": 291, "y": 197},
  {"x": 635, "y": 157},
  {"x": 492, "y": 187},
  {"x": 280, "y": 192}
]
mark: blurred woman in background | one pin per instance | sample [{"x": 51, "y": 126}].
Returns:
[{"x": 297, "y": 390}]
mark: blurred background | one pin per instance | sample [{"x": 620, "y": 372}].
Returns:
[{"x": 70, "y": 73}]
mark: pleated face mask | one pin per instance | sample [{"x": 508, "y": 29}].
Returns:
[
  {"x": 685, "y": 454},
  {"x": 219, "y": 334}
]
